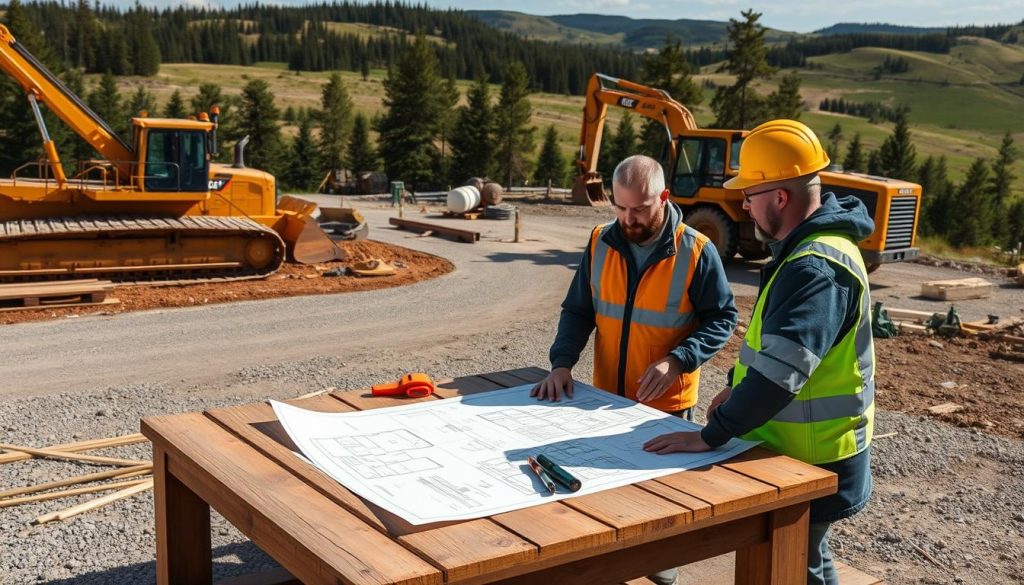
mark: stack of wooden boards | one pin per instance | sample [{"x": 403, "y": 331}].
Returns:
[
  {"x": 129, "y": 477},
  {"x": 957, "y": 290},
  {"x": 909, "y": 321},
  {"x": 53, "y": 294}
]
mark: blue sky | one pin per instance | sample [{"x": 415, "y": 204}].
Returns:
[{"x": 795, "y": 15}]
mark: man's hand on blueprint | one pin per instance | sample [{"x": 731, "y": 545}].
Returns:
[
  {"x": 687, "y": 441},
  {"x": 557, "y": 383}
]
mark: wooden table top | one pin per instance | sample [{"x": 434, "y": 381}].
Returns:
[{"x": 241, "y": 461}]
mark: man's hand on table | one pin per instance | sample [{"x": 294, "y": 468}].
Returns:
[
  {"x": 681, "y": 442},
  {"x": 554, "y": 386}
]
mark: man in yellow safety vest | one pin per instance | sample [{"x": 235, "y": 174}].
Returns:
[{"x": 804, "y": 381}]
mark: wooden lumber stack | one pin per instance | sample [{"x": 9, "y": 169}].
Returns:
[
  {"x": 957, "y": 290},
  {"x": 129, "y": 478},
  {"x": 53, "y": 294}
]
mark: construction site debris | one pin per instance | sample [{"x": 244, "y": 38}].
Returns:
[
  {"x": 503, "y": 211},
  {"x": 438, "y": 230},
  {"x": 136, "y": 488},
  {"x": 69, "y": 456},
  {"x": 373, "y": 267},
  {"x": 957, "y": 290},
  {"x": 945, "y": 408}
]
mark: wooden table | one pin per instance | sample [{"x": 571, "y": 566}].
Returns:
[{"x": 239, "y": 460}]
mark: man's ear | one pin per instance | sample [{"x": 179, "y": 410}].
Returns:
[{"x": 664, "y": 196}]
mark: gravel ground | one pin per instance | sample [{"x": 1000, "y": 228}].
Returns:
[{"x": 948, "y": 505}]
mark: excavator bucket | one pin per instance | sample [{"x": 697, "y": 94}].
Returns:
[
  {"x": 307, "y": 242},
  {"x": 588, "y": 189}
]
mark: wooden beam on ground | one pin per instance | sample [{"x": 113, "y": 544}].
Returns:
[
  {"x": 80, "y": 446},
  {"x": 420, "y": 227},
  {"x": 74, "y": 492},
  {"x": 68, "y": 456},
  {"x": 957, "y": 290},
  {"x": 122, "y": 473},
  {"x": 92, "y": 504}
]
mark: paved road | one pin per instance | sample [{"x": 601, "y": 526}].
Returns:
[{"x": 496, "y": 286}]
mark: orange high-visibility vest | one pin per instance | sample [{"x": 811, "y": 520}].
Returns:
[{"x": 643, "y": 327}]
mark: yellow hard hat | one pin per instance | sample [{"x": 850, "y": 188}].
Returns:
[{"x": 776, "y": 151}]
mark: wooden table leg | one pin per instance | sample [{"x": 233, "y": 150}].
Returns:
[
  {"x": 783, "y": 559},
  {"x": 183, "y": 553}
]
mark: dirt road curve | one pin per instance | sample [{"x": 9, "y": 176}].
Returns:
[{"x": 495, "y": 282}]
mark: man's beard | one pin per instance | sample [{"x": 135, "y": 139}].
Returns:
[
  {"x": 763, "y": 235},
  {"x": 640, "y": 233}
]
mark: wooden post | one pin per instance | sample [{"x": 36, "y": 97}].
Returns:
[
  {"x": 183, "y": 552},
  {"x": 519, "y": 225},
  {"x": 783, "y": 559},
  {"x": 548, "y": 194},
  {"x": 401, "y": 203}
]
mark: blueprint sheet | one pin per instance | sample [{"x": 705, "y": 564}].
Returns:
[{"x": 465, "y": 457}]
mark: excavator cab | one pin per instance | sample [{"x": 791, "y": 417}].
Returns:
[{"x": 174, "y": 159}]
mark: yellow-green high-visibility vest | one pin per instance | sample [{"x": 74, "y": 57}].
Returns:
[{"x": 832, "y": 416}]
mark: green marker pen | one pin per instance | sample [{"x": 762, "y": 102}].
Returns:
[{"x": 560, "y": 475}]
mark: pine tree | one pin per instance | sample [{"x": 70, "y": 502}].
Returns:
[
  {"x": 257, "y": 118},
  {"x": 141, "y": 103},
  {"x": 409, "y": 127},
  {"x": 786, "y": 102},
  {"x": 1015, "y": 225},
  {"x": 448, "y": 99},
  {"x": 897, "y": 155},
  {"x": 739, "y": 106},
  {"x": 835, "y": 140},
  {"x": 361, "y": 156},
  {"x": 551, "y": 165},
  {"x": 106, "y": 102},
  {"x": 671, "y": 71},
  {"x": 624, "y": 144},
  {"x": 303, "y": 169},
  {"x": 974, "y": 220},
  {"x": 175, "y": 106},
  {"x": 854, "y": 160},
  {"x": 473, "y": 135},
  {"x": 1002, "y": 180},
  {"x": 335, "y": 121},
  {"x": 364, "y": 69},
  {"x": 515, "y": 135},
  {"x": 21, "y": 141},
  {"x": 209, "y": 95},
  {"x": 938, "y": 194},
  {"x": 875, "y": 163},
  {"x": 144, "y": 51}
]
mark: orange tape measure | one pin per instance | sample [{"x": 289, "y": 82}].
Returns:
[{"x": 414, "y": 385}]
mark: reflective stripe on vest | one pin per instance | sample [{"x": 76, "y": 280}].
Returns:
[
  {"x": 832, "y": 416},
  {"x": 658, "y": 319}
]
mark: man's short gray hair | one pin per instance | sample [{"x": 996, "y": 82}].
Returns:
[{"x": 640, "y": 172}]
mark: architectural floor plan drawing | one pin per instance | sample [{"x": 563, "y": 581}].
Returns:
[{"x": 464, "y": 458}]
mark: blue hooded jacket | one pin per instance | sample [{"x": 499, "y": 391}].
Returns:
[{"x": 813, "y": 304}]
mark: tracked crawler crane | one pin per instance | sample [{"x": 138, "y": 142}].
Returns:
[{"x": 154, "y": 209}]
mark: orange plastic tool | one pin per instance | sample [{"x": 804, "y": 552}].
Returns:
[{"x": 414, "y": 385}]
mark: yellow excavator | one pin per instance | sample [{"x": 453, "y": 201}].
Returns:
[
  {"x": 698, "y": 162},
  {"x": 155, "y": 209}
]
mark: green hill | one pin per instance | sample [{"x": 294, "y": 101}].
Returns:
[{"x": 842, "y": 28}]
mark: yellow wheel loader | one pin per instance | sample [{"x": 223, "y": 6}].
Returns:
[{"x": 154, "y": 209}]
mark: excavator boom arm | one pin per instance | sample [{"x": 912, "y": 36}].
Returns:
[
  {"x": 653, "y": 103},
  {"x": 35, "y": 79}
]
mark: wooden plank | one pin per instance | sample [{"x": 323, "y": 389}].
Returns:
[
  {"x": 183, "y": 553},
  {"x": 78, "y": 447},
  {"x": 849, "y": 576},
  {"x": 726, "y": 491},
  {"x": 310, "y": 535},
  {"x": 957, "y": 290},
  {"x": 472, "y": 548},
  {"x": 791, "y": 477},
  {"x": 104, "y": 302},
  {"x": 699, "y": 508},
  {"x": 556, "y": 528},
  {"x": 70, "y": 456},
  {"x": 420, "y": 227},
  {"x": 464, "y": 386},
  {"x": 633, "y": 512},
  {"x": 363, "y": 399}
]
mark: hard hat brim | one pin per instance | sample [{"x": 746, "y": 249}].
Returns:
[{"x": 737, "y": 183}]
